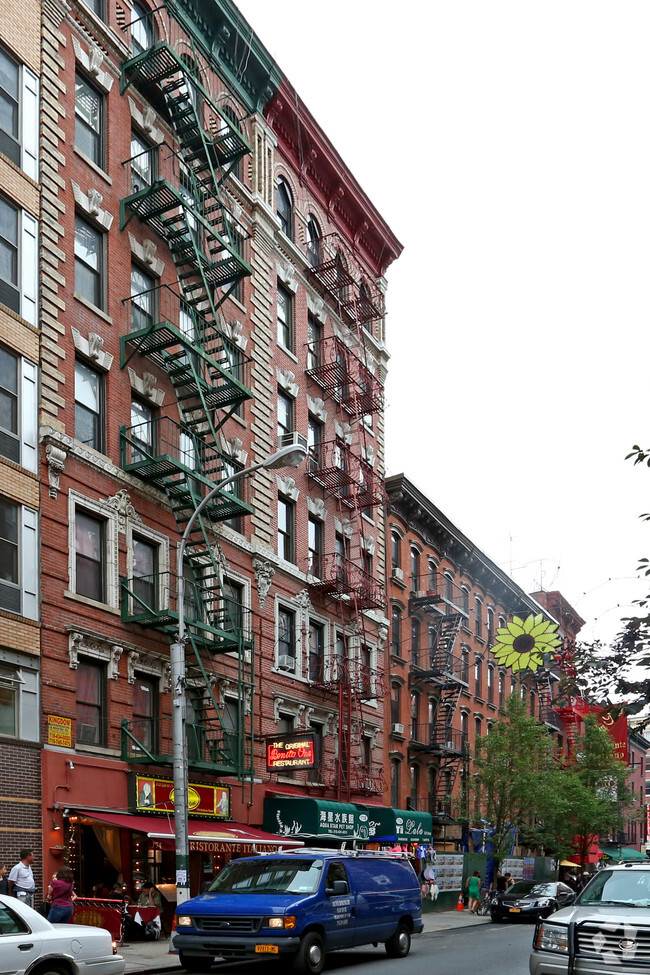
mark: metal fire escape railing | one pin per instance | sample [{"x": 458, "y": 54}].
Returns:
[
  {"x": 178, "y": 191},
  {"x": 438, "y": 667},
  {"x": 348, "y": 375}
]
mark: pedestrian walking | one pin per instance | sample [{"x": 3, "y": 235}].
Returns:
[
  {"x": 508, "y": 881},
  {"x": 4, "y": 879},
  {"x": 21, "y": 878},
  {"x": 61, "y": 896},
  {"x": 474, "y": 891}
]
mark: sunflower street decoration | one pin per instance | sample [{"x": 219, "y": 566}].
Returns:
[{"x": 521, "y": 644}]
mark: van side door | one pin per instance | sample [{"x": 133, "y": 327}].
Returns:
[{"x": 338, "y": 907}]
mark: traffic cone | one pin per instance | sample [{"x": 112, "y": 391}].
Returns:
[{"x": 460, "y": 906}]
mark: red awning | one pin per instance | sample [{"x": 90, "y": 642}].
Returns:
[{"x": 206, "y": 835}]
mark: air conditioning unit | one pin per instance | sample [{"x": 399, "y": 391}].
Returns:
[
  {"x": 450, "y": 744},
  {"x": 285, "y": 662},
  {"x": 293, "y": 440},
  {"x": 398, "y": 729},
  {"x": 397, "y": 573}
]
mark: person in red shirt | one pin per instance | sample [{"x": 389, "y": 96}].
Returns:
[{"x": 61, "y": 896}]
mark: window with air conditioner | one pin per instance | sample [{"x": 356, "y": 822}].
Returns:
[{"x": 286, "y": 656}]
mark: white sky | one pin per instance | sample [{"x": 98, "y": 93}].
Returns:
[{"x": 507, "y": 144}]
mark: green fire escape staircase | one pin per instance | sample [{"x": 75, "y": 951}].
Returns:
[{"x": 183, "y": 334}]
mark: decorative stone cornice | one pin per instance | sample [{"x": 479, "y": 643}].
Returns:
[
  {"x": 287, "y": 486},
  {"x": 287, "y": 380},
  {"x": 316, "y": 508},
  {"x": 145, "y": 386},
  {"x": 145, "y": 252},
  {"x": 316, "y": 407},
  {"x": 56, "y": 458},
  {"x": 264, "y": 572},
  {"x": 94, "y": 646},
  {"x": 146, "y": 120},
  {"x": 92, "y": 348},
  {"x": 121, "y": 502},
  {"x": 92, "y": 61},
  {"x": 90, "y": 203}
]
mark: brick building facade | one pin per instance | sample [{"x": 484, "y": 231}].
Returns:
[{"x": 211, "y": 287}]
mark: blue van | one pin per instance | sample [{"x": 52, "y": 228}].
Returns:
[{"x": 301, "y": 904}]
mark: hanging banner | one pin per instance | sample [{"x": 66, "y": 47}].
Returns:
[{"x": 157, "y": 796}]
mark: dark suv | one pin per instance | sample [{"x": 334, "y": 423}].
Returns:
[{"x": 608, "y": 927}]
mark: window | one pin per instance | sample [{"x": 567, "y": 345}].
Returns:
[
  {"x": 313, "y": 242},
  {"x": 89, "y": 405},
  {"x": 433, "y": 576},
  {"x": 142, "y": 304},
  {"x": 285, "y": 415},
  {"x": 286, "y": 530},
  {"x": 396, "y": 632},
  {"x": 97, "y": 6},
  {"x": 19, "y": 681},
  {"x": 339, "y": 670},
  {"x": 145, "y": 574},
  {"x": 478, "y": 616},
  {"x": 315, "y": 774},
  {"x": 234, "y": 489},
  {"x": 533, "y": 699},
  {"x": 464, "y": 600},
  {"x": 478, "y": 730},
  {"x": 502, "y": 688},
  {"x": 463, "y": 725},
  {"x": 89, "y": 120},
  {"x": 145, "y": 711},
  {"x": 233, "y": 596},
  {"x": 285, "y": 208},
  {"x": 18, "y": 559},
  {"x": 394, "y": 782},
  {"x": 449, "y": 588},
  {"x": 141, "y": 29},
  {"x": 415, "y": 712},
  {"x": 142, "y": 429},
  {"x": 478, "y": 673},
  {"x": 315, "y": 543},
  {"x": 314, "y": 440},
  {"x": 490, "y": 684},
  {"x": 395, "y": 703},
  {"x": 465, "y": 666},
  {"x": 285, "y": 318},
  {"x": 90, "y": 548},
  {"x": 9, "y": 254},
  {"x": 286, "y": 725},
  {"x": 415, "y": 570},
  {"x": 415, "y": 641},
  {"x": 286, "y": 638},
  {"x": 89, "y": 263},
  {"x": 91, "y": 703},
  {"x": 490, "y": 626},
  {"x": 18, "y": 409},
  {"x": 395, "y": 549},
  {"x": 142, "y": 163},
  {"x": 19, "y": 114},
  {"x": 314, "y": 340},
  {"x": 316, "y": 651}
]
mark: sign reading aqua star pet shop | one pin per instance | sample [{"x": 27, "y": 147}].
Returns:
[{"x": 521, "y": 644}]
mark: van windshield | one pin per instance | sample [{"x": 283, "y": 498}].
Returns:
[{"x": 265, "y": 876}]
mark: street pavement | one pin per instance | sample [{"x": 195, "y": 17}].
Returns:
[{"x": 148, "y": 956}]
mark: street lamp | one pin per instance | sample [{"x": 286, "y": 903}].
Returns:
[{"x": 290, "y": 455}]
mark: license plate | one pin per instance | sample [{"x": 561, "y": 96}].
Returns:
[
  {"x": 515, "y": 910},
  {"x": 267, "y": 949}
]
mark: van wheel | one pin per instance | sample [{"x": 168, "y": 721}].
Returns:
[
  {"x": 311, "y": 955},
  {"x": 193, "y": 964},
  {"x": 399, "y": 945}
]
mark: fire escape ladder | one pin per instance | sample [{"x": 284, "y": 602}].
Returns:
[{"x": 179, "y": 193}]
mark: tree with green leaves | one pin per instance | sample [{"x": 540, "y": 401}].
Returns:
[
  {"x": 587, "y": 798},
  {"x": 511, "y": 766}
]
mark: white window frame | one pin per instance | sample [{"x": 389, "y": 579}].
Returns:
[
  {"x": 98, "y": 509},
  {"x": 26, "y": 686},
  {"x": 161, "y": 542},
  {"x": 28, "y": 96},
  {"x": 293, "y": 607},
  {"x": 26, "y": 283},
  {"x": 27, "y": 397},
  {"x": 28, "y": 560}
]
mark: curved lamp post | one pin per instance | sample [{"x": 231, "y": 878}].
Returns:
[{"x": 290, "y": 455}]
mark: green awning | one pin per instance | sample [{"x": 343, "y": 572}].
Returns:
[
  {"x": 622, "y": 853},
  {"x": 315, "y": 818},
  {"x": 400, "y": 825}
]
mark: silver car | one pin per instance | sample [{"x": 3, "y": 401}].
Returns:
[
  {"x": 28, "y": 943},
  {"x": 607, "y": 929}
]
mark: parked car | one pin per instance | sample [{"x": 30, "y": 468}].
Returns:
[
  {"x": 529, "y": 900},
  {"x": 29, "y": 943},
  {"x": 301, "y": 905},
  {"x": 606, "y": 930}
]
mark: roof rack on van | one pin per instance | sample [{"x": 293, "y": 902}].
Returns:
[{"x": 354, "y": 852}]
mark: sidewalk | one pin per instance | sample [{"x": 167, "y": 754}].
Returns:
[{"x": 147, "y": 956}]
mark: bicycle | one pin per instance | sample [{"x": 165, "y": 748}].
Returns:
[{"x": 483, "y": 908}]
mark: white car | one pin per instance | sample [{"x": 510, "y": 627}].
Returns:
[{"x": 30, "y": 944}]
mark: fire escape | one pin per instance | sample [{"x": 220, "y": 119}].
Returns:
[
  {"x": 438, "y": 672},
  {"x": 178, "y": 191},
  {"x": 344, "y": 369}
]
